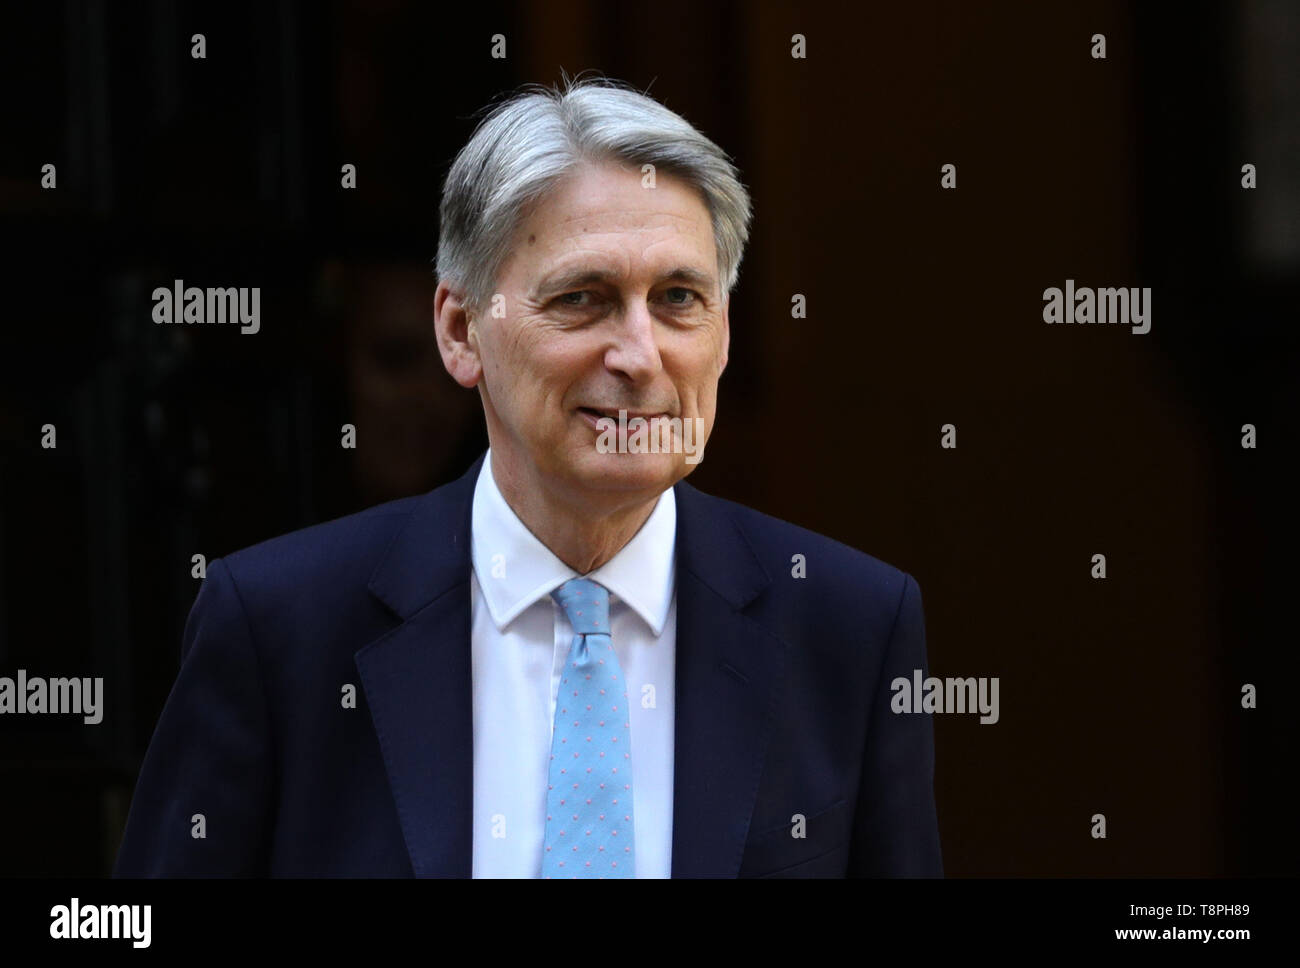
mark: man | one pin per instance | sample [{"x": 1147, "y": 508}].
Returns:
[{"x": 569, "y": 662}]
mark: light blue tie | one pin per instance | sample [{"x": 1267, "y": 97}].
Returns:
[{"x": 589, "y": 831}]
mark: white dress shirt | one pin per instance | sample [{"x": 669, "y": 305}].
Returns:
[{"x": 520, "y": 637}]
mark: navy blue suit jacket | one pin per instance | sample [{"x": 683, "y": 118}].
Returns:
[{"x": 782, "y": 692}]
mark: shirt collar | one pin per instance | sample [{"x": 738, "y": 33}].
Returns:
[{"x": 515, "y": 569}]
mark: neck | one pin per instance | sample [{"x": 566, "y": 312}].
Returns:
[{"x": 582, "y": 535}]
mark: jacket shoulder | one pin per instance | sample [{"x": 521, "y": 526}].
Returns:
[
  {"x": 829, "y": 572},
  {"x": 771, "y": 533},
  {"x": 323, "y": 562}
]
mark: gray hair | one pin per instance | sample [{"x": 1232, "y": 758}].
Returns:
[{"x": 528, "y": 142}]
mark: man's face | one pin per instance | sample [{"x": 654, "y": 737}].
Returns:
[{"x": 611, "y": 301}]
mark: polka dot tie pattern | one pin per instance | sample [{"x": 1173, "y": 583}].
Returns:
[{"x": 589, "y": 821}]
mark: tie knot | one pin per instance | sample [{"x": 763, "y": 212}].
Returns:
[{"x": 586, "y": 603}]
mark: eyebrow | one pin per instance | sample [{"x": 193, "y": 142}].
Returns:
[{"x": 565, "y": 280}]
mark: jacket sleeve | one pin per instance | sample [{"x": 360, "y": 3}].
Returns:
[
  {"x": 895, "y": 828},
  {"x": 203, "y": 804}
]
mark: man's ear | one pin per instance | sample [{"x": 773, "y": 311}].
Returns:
[{"x": 457, "y": 337}]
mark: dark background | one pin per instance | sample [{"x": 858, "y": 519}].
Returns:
[{"x": 1119, "y": 696}]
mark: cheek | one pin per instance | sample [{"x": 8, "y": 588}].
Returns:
[
  {"x": 513, "y": 355},
  {"x": 536, "y": 368},
  {"x": 699, "y": 368},
  {"x": 708, "y": 402}
]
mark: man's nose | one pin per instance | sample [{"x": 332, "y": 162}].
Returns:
[{"x": 635, "y": 353}]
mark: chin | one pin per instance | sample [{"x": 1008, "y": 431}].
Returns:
[{"x": 630, "y": 472}]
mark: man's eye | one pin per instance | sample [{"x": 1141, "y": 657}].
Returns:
[
  {"x": 574, "y": 298},
  {"x": 681, "y": 290}
]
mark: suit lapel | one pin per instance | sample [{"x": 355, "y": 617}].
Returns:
[
  {"x": 417, "y": 680},
  {"x": 728, "y": 670}
]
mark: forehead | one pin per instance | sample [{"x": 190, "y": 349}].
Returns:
[{"x": 606, "y": 211}]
